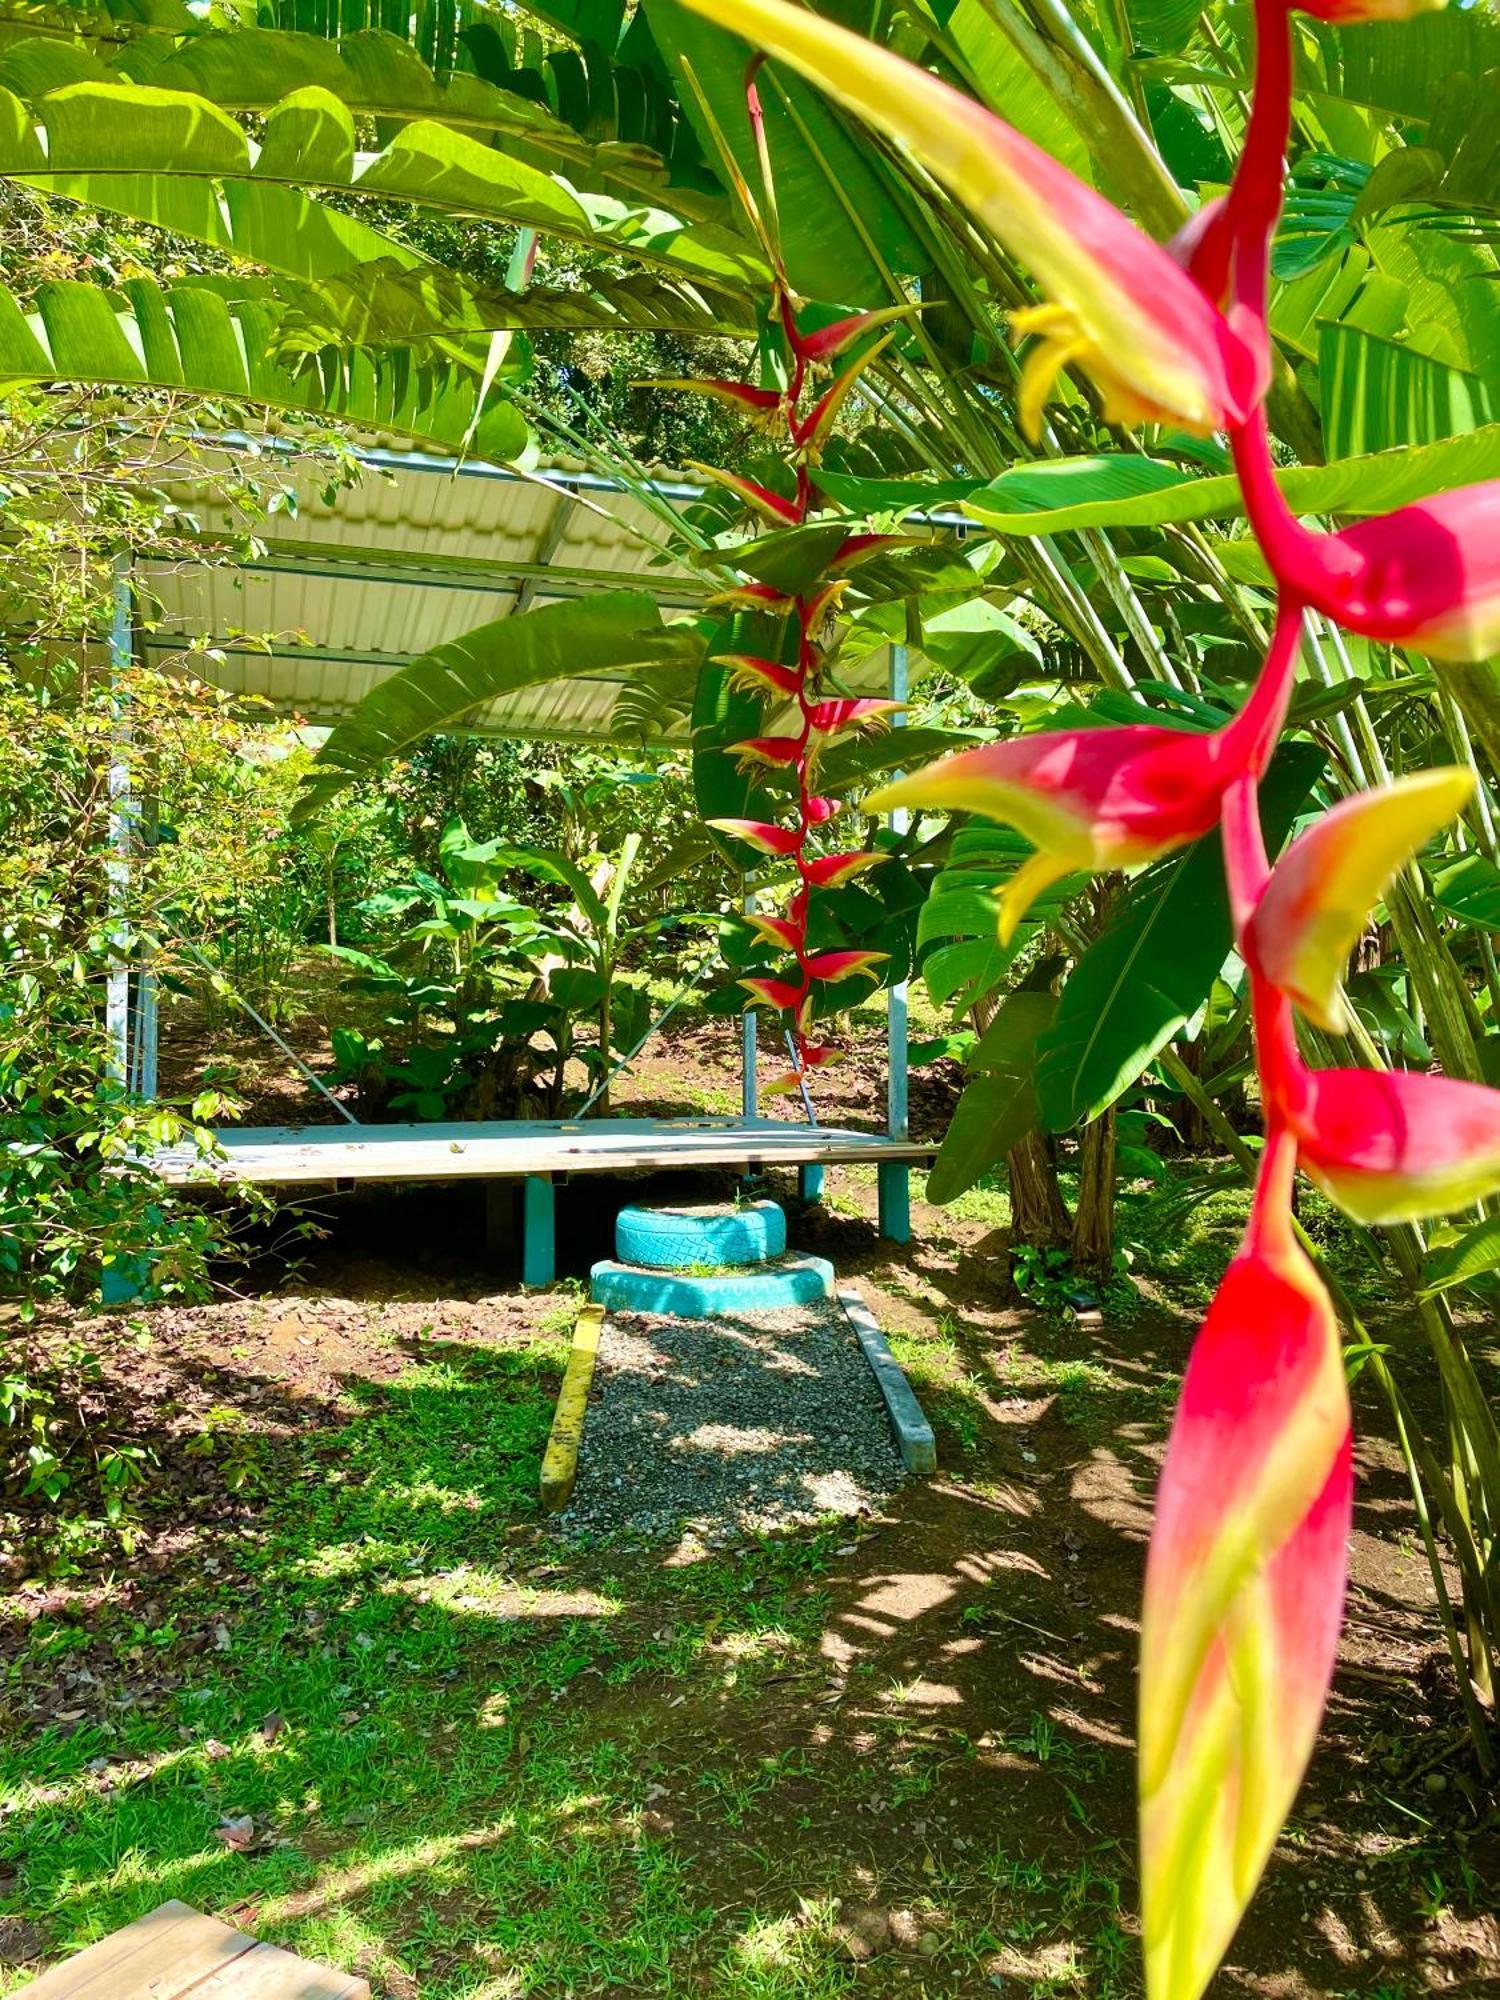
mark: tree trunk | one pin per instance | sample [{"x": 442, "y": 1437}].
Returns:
[
  {"x": 1094, "y": 1221},
  {"x": 1038, "y": 1214}
]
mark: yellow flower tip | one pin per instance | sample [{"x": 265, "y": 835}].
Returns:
[
  {"x": 1030, "y": 880},
  {"x": 907, "y": 791}
]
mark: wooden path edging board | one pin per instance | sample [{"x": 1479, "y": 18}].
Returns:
[
  {"x": 914, "y": 1437},
  {"x": 175, "y": 1953},
  {"x": 560, "y": 1460}
]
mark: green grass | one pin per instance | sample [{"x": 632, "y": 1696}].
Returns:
[{"x": 468, "y": 1736}]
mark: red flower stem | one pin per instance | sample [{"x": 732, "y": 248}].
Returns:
[
  {"x": 1270, "y": 1233},
  {"x": 1254, "y": 203},
  {"x": 1251, "y": 736}
]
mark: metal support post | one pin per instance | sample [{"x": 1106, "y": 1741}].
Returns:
[{"x": 894, "y": 1178}]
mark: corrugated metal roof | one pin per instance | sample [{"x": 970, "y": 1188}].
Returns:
[
  {"x": 351, "y": 587},
  {"x": 419, "y": 551}
]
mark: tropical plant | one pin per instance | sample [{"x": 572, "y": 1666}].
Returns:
[{"x": 1246, "y": 1574}]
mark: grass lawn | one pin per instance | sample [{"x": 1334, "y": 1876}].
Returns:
[{"x": 352, "y": 1692}]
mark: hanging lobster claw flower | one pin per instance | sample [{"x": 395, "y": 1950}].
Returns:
[
  {"x": 786, "y": 1085},
  {"x": 1087, "y": 799},
  {"x": 748, "y": 670},
  {"x": 859, "y": 714},
  {"x": 1346, "y": 13},
  {"x": 823, "y": 602},
  {"x": 810, "y": 433},
  {"x": 780, "y": 753},
  {"x": 1426, "y": 577},
  {"x": 1119, "y": 306},
  {"x": 1394, "y": 1146},
  {"x": 828, "y": 342},
  {"x": 780, "y": 512},
  {"x": 834, "y": 966},
  {"x": 1315, "y": 906},
  {"x": 756, "y": 833},
  {"x": 1244, "y": 1592},
  {"x": 782, "y": 931},
  {"x": 856, "y": 549},
  {"x": 775, "y": 993},
  {"x": 818, "y": 1055},
  {"x": 820, "y": 810},
  {"x": 831, "y": 871},
  {"x": 750, "y": 597},
  {"x": 763, "y": 407}
]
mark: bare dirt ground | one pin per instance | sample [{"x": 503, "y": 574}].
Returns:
[{"x": 893, "y": 1758}]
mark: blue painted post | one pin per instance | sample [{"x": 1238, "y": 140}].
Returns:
[
  {"x": 538, "y": 1231},
  {"x": 894, "y": 1179},
  {"x": 127, "y": 1278},
  {"x": 810, "y": 1180},
  {"x": 749, "y": 1091}
]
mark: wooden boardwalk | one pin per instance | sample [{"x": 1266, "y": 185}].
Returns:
[{"x": 176, "y": 1954}]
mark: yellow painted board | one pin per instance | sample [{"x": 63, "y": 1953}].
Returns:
[{"x": 560, "y": 1461}]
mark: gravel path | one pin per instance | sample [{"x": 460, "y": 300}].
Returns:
[{"x": 726, "y": 1426}]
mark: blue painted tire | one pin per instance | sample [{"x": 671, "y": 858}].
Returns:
[
  {"x": 792, "y": 1281},
  {"x": 672, "y": 1239}
]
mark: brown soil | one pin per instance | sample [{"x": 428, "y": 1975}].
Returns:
[{"x": 1002, "y": 1591}]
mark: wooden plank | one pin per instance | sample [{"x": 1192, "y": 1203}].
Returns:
[
  {"x": 159, "y": 1957},
  {"x": 268, "y": 1973},
  {"x": 276, "y": 1156}
]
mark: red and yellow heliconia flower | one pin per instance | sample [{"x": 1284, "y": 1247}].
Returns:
[
  {"x": 765, "y": 408},
  {"x": 834, "y": 966},
  {"x": 860, "y": 713},
  {"x": 772, "y": 507},
  {"x": 1244, "y": 1591},
  {"x": 1394, "y": 1146},
  {"x": 761, "y": 835},
  {"x": 1345, "y": 13},
  {"x": 1426, "y": 577},
  {"x": 1119, "y": 305},
  {"x": 785, "y": 931},
  {"x": 779, "y": 753},
  {"x": 750, "y": 671},
  {"x": 1092, "y": 799},
  {"x": 831, "y": 871},
  {"x": 1320, "y": 894},
  {"x": 777, "y": 993}
]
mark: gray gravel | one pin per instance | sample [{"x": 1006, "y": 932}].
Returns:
[{"x": 720, "y": 1428}]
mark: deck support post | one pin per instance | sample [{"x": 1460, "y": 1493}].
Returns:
[
  {"x": 893, "y": 1184},
  {"x": 894, "y": 1178},
  {"x": 810, "y": 1180},
  {"x": 538, "y": 1231}
]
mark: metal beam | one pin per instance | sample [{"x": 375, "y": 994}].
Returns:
[
  {"x": 547, "y": 548},
  {"x": 898, "y": 681}
]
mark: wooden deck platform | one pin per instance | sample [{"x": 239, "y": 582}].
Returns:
[
  {"x": 538, "y": 1152},
  {"x": 176, "y": 1954},
  {"x": 286, "y": 1156}
]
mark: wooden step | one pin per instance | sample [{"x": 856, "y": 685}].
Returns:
[{"x": 174, "y": 1952}]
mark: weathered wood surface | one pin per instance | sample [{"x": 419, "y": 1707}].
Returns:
[
  {"x": 284, "y": 1156},
  {"x": 176, "y": 1954}
]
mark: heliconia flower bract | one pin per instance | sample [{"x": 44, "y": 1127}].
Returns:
[
  {"x": 820, "y": 810},
  {"x": 759, "y": 834},
  {"x": 810, "y": 433},
  {"x": 1344, "y": 13},
  {"x": 750, "y": 597},
  {"x": 830, "y": 871},
  {"x": 762, "y": 406},
  {"x": 1105, "y": 798},
  {"x": 864, "y": 712},
  {"x": 779, "y": 752},
  {"x": 1426, "y": 577},
  {"x": 777, "y": 993},
  {"x": 826, "y": 343},
  {"x": 1244, "y": 1592},
  {"x": 783, "y": 931},
  {"x": 775, "y": 507},
  {"x": 1395, "y": 1146},
  {"x": 1120, "y": 306},
  {"x": 836, "y": 965},
  {"x": 748, "y": 670},
  {"x": 1321, "y": 891},
  {"x": 790, "y": 1080}
]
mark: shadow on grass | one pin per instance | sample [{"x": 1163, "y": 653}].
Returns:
[{"x": 476, "y": 1765}]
